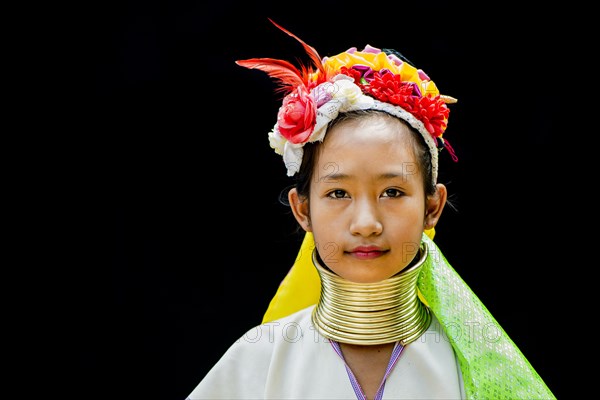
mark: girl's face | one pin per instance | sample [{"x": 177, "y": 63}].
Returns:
[{"x": 367, "y": 207}]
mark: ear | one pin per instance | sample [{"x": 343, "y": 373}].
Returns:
[
  {"x": 300, "y": 209},
  {"x": 434, "y": 205}
]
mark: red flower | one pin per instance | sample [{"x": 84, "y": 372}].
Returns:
[
  {"x": 432, "y": 111},
  {"x": 389, "y": 88},
  {"x": 297, "y": 116},
  {"x": 353, "y": 73}
]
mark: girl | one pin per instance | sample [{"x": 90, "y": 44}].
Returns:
[{"x": 371, "y": 308}]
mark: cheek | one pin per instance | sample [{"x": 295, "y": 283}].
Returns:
[
  {"x": 406, "y": 228},
  {"x": 328, "y": 234},
  {"x": 327, "y": 237},
  {"x": 330, "y": 254}
]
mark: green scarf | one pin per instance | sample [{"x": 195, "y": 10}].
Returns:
[{"x": 492, "y": 366}]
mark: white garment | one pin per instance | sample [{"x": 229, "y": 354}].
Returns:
[{"x": 289, "y": 359}]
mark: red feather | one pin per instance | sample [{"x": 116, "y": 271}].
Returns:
[
  {"x": 312, "y": 53},
  {"x": 288, "y": 75}
]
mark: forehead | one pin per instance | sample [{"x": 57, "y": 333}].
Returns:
[
  {"x": 376, "y": 132},
  {"x": 369, "y": 145}
]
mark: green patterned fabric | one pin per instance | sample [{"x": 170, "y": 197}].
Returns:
[{"x": 492, "y": 365}]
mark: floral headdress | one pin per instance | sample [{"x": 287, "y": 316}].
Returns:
[{"x": 353, "y": 80}]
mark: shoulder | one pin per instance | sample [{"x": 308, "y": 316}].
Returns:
[
  {"x": 264, "y": 338},
  {"x": 243, "y": 371},
  {"x": 289, "y": 328}
]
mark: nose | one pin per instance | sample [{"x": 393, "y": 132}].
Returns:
[{"x": 365, "y": 219}]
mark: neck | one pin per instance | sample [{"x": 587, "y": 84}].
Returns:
[{"x": 371, "y": 313}]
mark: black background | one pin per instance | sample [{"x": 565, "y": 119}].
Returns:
[{"x": 182, "y": 238}]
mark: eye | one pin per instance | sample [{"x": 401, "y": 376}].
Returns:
[
  {"x": 337, "y": 194},
  {"x": 392, "y": 193}
]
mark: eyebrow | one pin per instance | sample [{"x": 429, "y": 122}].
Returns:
[{"x": 380, "y": 177}]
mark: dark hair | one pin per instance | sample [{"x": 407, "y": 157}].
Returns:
[{"x": 305, "y": 175}]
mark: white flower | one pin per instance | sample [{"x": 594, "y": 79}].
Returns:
[
  {"x": 276, "y": 141},
  {"x": 345, "y": 96},
  {"x": 346, "y": 92},
  {"x": 292, "y": 157}
]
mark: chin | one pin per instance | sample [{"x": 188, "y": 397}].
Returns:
[{"x": 367, "y": 278}]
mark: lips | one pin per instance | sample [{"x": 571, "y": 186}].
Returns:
[{"x": 367, "y": 252}]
